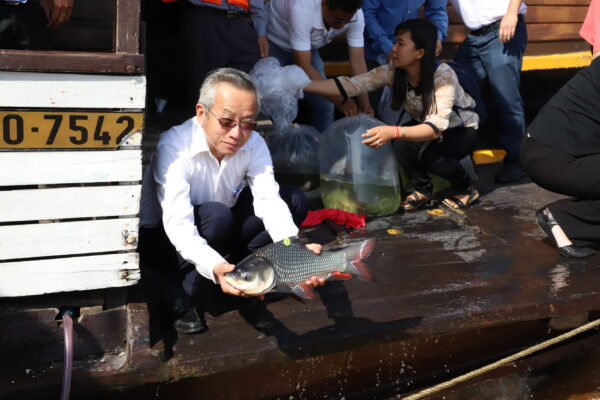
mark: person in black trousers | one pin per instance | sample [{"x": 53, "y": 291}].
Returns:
[
  {"x": 561, "y": 153},
  {"x": 24, "y": 23}
]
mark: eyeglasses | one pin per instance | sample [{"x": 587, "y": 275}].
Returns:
[{"x": 229, "y": 123}]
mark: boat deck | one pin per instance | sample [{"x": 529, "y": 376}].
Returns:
[
  {"x": 452, "y": 291},
  {"x": 450, "y": 288}
]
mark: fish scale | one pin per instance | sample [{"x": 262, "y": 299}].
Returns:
[{"x": 295, "y": 263}]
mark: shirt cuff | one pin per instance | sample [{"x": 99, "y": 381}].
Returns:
[
  {"x": 209, "y": 258},
  {"x": 260, "y": 27},
  {"x": 386, "y": 45},
  {"x": 435, "y": 128}
]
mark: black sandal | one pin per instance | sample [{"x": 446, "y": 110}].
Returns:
[
  {"x": 456, "y": 204},
  {"x": 414, "y": 201}
]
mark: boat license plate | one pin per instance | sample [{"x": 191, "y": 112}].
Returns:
[{"x": 66, "y": 130}]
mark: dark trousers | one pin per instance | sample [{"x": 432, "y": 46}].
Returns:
[
  {"x": 499, "y": 64},
  {"x": 578, "y": 177},
  {"x": 233, "y": 232},
  {"x": 163, "y": 52},
  {"x": 211, "y": 40},
  {"x": 23, "y": 27},
  {"x": 441, "y": 157}
]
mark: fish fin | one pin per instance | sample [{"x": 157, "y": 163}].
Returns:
[
  {"x": 339, "y": 276},
  {"x": 297, "y": 298},
  {"x": 282, "y": 289},
  {"x": 355, "y": 256},
  {"x": 303, "y": 291}
]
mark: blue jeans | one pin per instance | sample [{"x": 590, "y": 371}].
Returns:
[
  {"x": 320, "y": 110},
  {"x": 487, "y": 58}
]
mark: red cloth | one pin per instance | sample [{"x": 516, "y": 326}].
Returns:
[{"x": 348, "y": 219}]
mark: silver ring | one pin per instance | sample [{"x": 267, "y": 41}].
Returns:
[{"x": 378, "y": 143}]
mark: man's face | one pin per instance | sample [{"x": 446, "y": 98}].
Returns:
[
  {"x": 231, "y": 103},
  {"x": 337, "y": 18}
]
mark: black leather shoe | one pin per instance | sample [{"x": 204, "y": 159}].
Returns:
[
  {"x": 546, "y": 221},
  {"x": 511, "y": 171},
  {"x": 191, "y": 322},
  {"x": 575, "y": 252}
]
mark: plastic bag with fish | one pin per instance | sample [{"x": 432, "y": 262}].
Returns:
[{"x": 286, "y": 265}]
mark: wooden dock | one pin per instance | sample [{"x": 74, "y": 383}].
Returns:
[{"x": 452, "y": 292}]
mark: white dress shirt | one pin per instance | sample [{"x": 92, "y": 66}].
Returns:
[
  {"x": 298, "y": 25},
  {"x": 478, "y": 13},
  {"x": 184, "y": 173}
]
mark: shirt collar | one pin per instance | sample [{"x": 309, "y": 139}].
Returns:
[{"x": 199, "y": 143}]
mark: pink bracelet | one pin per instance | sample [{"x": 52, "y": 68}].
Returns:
[{"x": 400, "y": 133}]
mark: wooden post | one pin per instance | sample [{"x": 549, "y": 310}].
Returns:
[{"x": 126, "y": 27}]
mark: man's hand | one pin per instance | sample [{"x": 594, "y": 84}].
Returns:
[
  {"x": 347, "y": 108},
  {"x": 263, "y": 46},
  {"x": 57, "y": 11},
  {"x": 314, "y": 281},
  {"x": 438, "y": 47},
  {"x": 314, "y": 247},
  {"x": 219, "y": 271},
  {"x": 507, "y": 27},
  {"x": 364, "y": 107}
]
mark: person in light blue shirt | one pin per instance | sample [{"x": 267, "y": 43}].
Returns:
[{"x": 381, "y": 19}]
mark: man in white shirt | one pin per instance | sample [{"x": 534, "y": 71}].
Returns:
[
  {"x": 297, "y": 29},
  {"x": 195, "y": 192},
  {"x": 493, "y": 52}
]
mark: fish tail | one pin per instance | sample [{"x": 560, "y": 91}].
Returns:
[{"x": 355, "y": 256}]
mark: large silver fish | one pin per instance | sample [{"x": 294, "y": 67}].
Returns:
[{"x": 286, "y": 265}]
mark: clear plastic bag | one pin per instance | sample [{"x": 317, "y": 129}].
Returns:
[
  {"x": 355, "y": 177},
  {"x": 295, "y": 153},
  {"x": 279, "y": 88}
]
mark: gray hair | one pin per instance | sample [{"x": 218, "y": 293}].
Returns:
[{"x": 232, "y": 76}]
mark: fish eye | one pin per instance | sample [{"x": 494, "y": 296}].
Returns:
[{"x": 246, "y": 276}]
